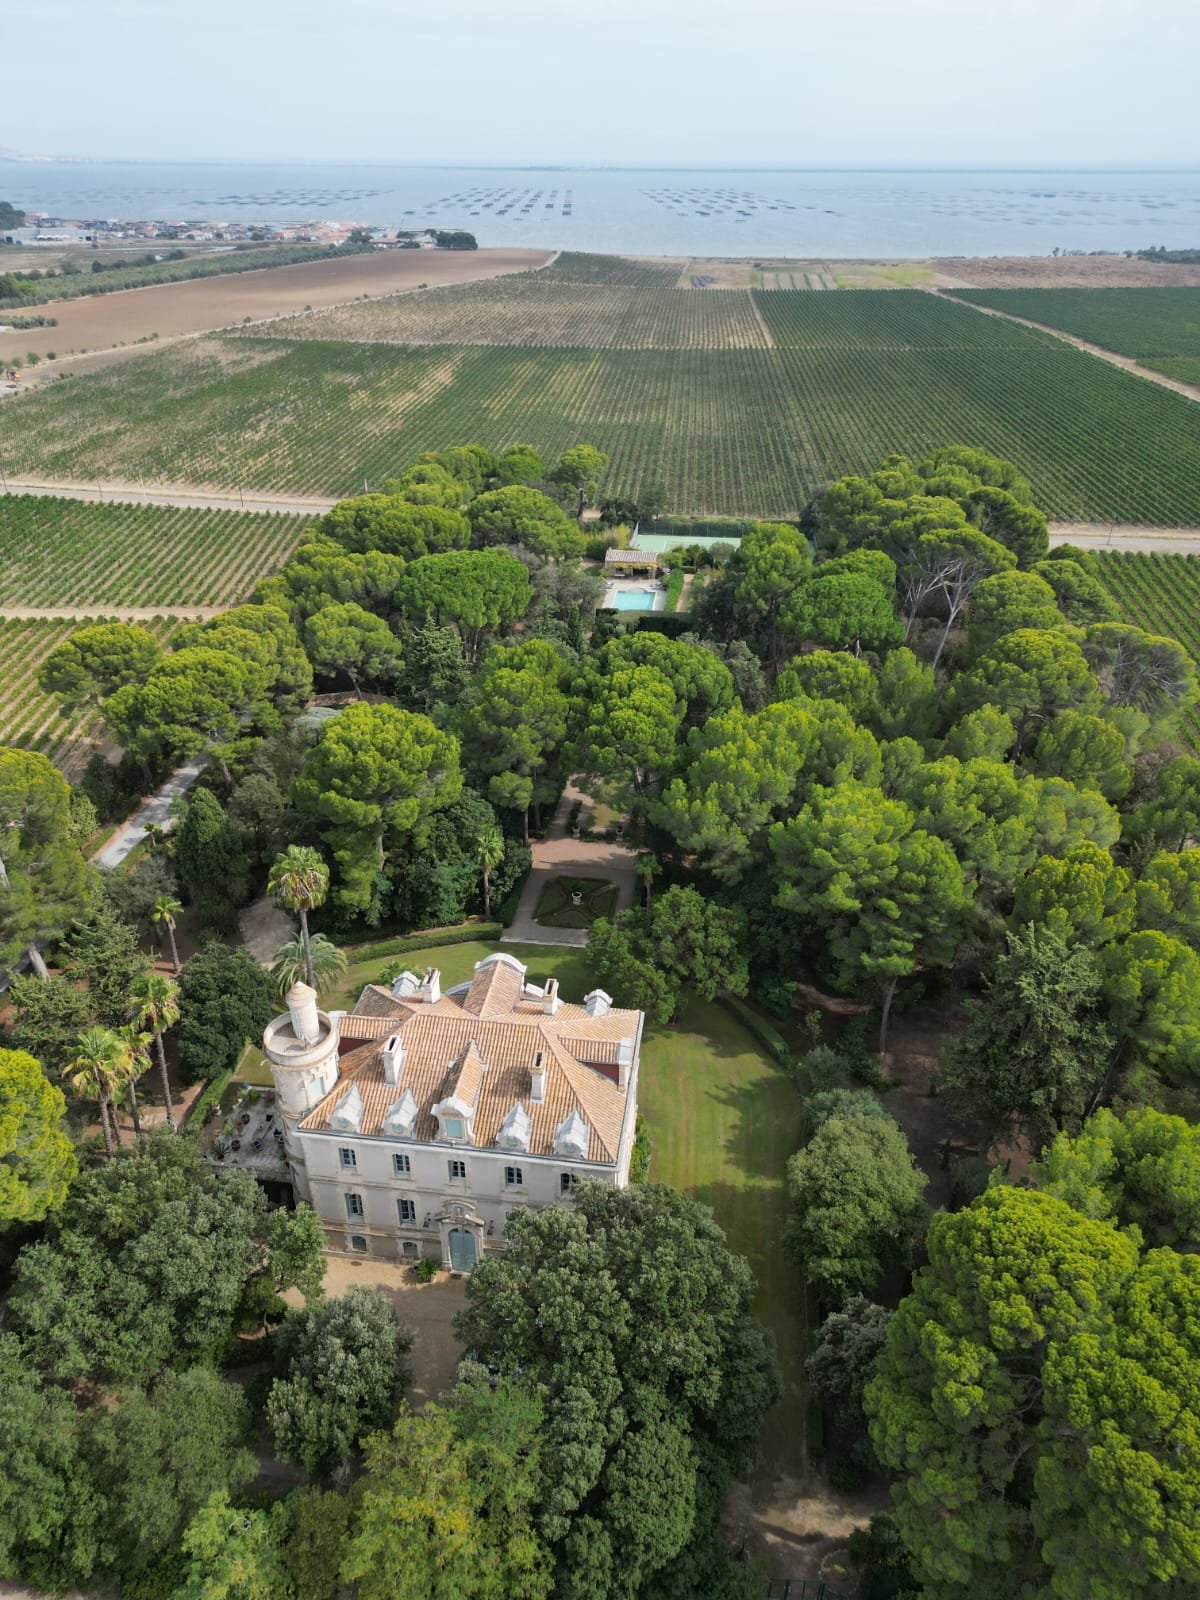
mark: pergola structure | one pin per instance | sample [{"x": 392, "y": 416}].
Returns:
[{"x": 625, "y": 563}]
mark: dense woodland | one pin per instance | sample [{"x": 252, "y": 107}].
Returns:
[{"x": 900, "y": 753}]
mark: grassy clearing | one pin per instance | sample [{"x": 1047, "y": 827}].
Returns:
[
  {"x": 84, "y": 553},
  {"x": 723, "y": 1122}
]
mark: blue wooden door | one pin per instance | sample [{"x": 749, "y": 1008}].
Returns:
[{"x": 462, "y": 1249}]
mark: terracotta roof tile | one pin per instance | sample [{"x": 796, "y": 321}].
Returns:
[
  {"x": 495, "y": 988},
  {"x": 465, "y": 1079},
  {"x": 487, "y": 1060}
]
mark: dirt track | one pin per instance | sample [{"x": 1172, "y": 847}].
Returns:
[
  {"x": 170, "y": 310},
  {"x": 1088, "y": 535},
  {"x": 1188, "y": 390}
]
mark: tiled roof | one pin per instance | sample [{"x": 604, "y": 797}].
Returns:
[
  {"x": 485, "y": 1057},
  {"x": 630, "y": 558},
  {"x": 495, "y": 988},
  {"x": 466, "y": 1077}
]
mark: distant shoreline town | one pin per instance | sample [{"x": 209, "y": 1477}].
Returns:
[{"x": 43, "y": 228}]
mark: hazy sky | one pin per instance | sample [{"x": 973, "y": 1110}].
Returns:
[{"x": 627, "y": 81}]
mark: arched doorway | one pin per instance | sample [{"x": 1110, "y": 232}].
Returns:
[{"x": 463, "y": 1249}]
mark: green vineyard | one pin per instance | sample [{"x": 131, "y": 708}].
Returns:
[
  {"x": 1133, "y": 322},
  {"x": 56, "y": 552},
  {"x": 537, "y": 312},
  {"x": 31, "y": 719},
  {"x": 1186, "y": 369},
  {"x": 1161, "y": 593},
  {"x": 799, "y": 386}
]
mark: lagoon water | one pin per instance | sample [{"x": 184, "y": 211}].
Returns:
[{"x": 772, "y": 212}]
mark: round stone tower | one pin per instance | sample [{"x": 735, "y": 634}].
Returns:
[{"x": 302, "y": 1048}]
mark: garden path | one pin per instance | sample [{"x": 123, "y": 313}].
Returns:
[
  {"x": 560, "y": 854},
  {"x": 155, "y": 810}
]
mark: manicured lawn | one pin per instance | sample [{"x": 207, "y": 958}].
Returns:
[
  {"x": 555, "y": 908},
  {"x": 723, "y": 1121}
]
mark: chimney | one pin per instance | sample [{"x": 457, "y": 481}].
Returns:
[
  {"x": 597, "y": 1004},
  {"x": 624, "y": 1062},
  {"x": 431, "y": 986},
  {"x": 537, "y": 1079},
  {"x": 550, "y": 1000},
  {"x": 393, "y": 1059},
  {"x": 302, "y": 1007},
  {"x": 407, "y": 983}
]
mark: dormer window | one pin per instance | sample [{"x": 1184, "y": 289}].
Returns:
[
  {"x": 572, "y": 1137},
  {"x": 400, "y": 1117},
  {"x": 452, "y": 1127},
  {"x": 515, "y": 1129},
  {"x": 347, "y": 1115}
]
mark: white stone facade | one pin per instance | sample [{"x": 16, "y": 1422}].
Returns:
[{"x": 416, "y": 1123}]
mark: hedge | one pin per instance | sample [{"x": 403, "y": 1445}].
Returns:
[
  {"x": 212, "y": 1093},
  {"x": 460, "y": 934},
  {"x": 764, "y": 1034}
]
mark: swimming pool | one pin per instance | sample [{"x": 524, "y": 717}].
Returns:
[{"x": 632, "y": 599}]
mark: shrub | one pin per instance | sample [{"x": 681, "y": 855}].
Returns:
[
  {"x": 853, "y": 1046},
  {"x": 774, "y": 994},
  {"x": 820, "y": 1070},
  {"x": 764, "y": 1034},
  {"x": 463, "y": 933},
  {"x": 968, "y": 1180},
  {"x": 639, "y": 1158}
]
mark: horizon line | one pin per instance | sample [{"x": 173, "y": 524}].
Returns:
[{"x": 913, "y": 164}]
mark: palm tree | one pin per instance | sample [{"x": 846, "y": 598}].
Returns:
[
  {"x": 165, "y": 911},
  {"x": 157, "y": 999},
  {"x": 100, "y": 1067},
  {"x": 489, "y": 852},
  {"x": 134, "y": 1064},
  {"x": 299, "y": 881},
  {"x": 321, "y": 964},
  {"x": 647, "y": 867}
]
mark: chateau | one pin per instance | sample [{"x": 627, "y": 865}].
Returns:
[{"x": 415, "y": 1123}]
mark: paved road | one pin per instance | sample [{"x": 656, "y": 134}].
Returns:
[
  {"x": 1126, "y": 536},
  {"x": 157, "y": 809},
  {"x": 179, "y": 494}
]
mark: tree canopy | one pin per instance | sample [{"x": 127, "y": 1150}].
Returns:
[
  {"x": 37, "y": 1159},
  {"x": 634, "y": 1318},
  {"x": 856, "y": 1204},
  {"x": 1038, "y": 1395},
  {"x": 376, "y": 775},
  {"x": 151, "y": 1255}
]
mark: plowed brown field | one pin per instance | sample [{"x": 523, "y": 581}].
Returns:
[{"x": 169, "y": 310}]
